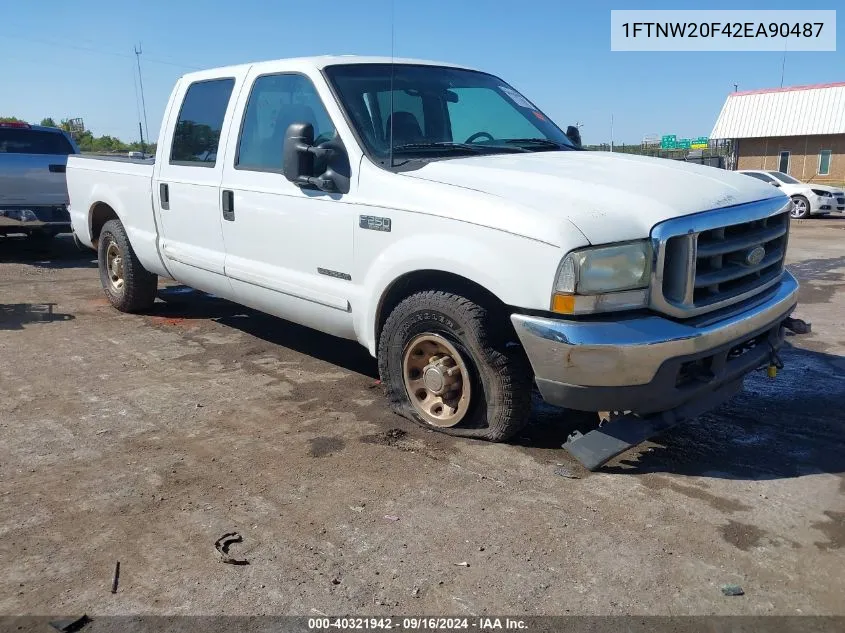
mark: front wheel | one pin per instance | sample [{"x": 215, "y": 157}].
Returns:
[
  {"x": 446, "y": 364},
  {"x": 800, "y": 207},
  {"x": 129, "y": 287}
]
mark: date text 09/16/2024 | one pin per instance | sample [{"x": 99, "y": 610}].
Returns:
[{"x": 417, "y": 624}]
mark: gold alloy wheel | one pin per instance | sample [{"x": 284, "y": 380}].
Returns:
[
  {"x": 437, "y": 380},
  {"x": 114, "y": 267}
]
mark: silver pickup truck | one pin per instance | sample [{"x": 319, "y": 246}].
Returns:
[{"x": 33, "y": 190}]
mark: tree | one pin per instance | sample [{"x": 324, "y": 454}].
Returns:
[{"x": 86, "y": 140}]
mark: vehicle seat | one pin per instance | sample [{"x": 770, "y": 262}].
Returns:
[{"x": 406, "y": 129}]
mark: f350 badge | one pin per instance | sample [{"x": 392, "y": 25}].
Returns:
[{"x": 374, "y": 223}]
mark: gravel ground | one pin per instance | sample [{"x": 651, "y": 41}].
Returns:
[{"x": 143, "y": 439}]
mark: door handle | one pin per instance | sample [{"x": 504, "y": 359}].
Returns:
[
  {"x": 57, "y": 169},
  {"x": 164, "y": 195},
  {"x": 228, "y": 205}
]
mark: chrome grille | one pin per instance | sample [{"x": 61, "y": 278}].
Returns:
[{"x": 710, "y": 260}]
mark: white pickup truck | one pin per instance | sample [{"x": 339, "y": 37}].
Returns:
[{"x": 437, "y": 216}]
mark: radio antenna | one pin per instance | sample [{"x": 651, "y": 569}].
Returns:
[
  {"x": 138, "y": 52},
  {"x": 392, "y": 63},
  {"x": 138, "y": 111}
]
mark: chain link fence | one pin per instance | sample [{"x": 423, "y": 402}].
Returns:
[{"x": 717, "y": 154}]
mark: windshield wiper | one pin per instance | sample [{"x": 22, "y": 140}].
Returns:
[
  {"x": 537, "y": 141},
  {"x": 475, "y": 148},
  {"x": 441, "y": 145}
]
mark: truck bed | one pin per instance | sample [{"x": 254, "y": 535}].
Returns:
[
  {"x": 117, "y": 159},
  {"x": 121, "y": 183}
]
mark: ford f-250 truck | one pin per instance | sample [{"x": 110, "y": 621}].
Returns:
[
  {"x": 437, "y": 216},
  {"x": 33, "y": 194}
]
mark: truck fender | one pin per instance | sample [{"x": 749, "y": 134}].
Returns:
[
  {"x": 479, "y": 262},
  {"x": 101, "y": 195}
]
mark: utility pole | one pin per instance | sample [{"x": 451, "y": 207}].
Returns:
[
  {"x": 138, "y": 52},
  {"x": 611, "y": 132}
]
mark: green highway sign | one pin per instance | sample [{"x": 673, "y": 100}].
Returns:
[{"x": 670, "y": 141}]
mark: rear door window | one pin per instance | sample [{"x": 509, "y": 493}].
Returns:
[
  {"x": 196, "y": 137},
  {"x": 24, "y": 141}
]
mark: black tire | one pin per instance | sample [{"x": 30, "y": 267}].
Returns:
[
  {"x": 502, "y": 379},
  {"x": 138, "y": 290},
  {"x": 800, "y": 201}
]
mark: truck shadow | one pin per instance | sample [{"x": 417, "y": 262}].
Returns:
[
  {"x": 791, "y": 426},
  {"x": 182, "y": 302},
  {"x": 14, "y": 316},
  {"x": 59, "y": 252},
  {"x": 787, "y": 427}
]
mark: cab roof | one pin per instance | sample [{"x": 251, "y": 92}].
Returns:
[{"x": 312, "y": 63}]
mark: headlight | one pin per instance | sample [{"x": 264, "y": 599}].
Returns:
[
  {"x": 603, "y": 278},
  {"x": 823, "y": 194}
]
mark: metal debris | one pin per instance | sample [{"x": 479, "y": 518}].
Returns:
[
  {"x": 732, "y": 590},
  {"x": 116, "y": 577},
  {"x": 222, "y": 545},
  {"x": 563, "y": 471}
]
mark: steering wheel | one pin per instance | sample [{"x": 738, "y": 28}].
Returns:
[{"x": 478, "y": 135}]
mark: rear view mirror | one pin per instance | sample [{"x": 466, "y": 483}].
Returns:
[
  {"x": 776, "y": 184},
  {"x": 574, "y": 135},
  {"x": 297, "y": 161},
  {"x": 300, "y": 157}
]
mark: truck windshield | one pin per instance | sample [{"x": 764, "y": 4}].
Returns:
[
  {"x": 434, "y": 112},
  {"x": 24, "y": 141}
]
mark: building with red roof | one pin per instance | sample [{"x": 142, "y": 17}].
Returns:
[{"x": 799, "y": 130}]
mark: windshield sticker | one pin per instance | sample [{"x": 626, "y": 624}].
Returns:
[{"x": 517, "y": 98}]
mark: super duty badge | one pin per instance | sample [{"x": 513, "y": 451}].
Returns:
[{"x": 374, "y": 223}]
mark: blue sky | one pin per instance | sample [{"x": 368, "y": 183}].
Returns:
[{"x": 65, "y": 59}]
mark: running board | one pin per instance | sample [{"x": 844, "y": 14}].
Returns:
[{"x": 599, "y": 446}]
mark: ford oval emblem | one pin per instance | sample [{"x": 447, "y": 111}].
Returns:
[{"x": 755, "y": 256}]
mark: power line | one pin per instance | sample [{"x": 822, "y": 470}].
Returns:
[{"x": 88, "y": 49}]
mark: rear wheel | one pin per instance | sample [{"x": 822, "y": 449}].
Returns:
[
  {"x": 446, "y": 364},
  {"x": 129, "y": 287},
  {"x": 800, "y": 207}
]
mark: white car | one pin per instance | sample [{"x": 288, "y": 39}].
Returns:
[
  {"x": 808, "y": 199},
  {"x": 438, "y": 217}
]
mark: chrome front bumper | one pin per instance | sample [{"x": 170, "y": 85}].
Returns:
[{"x": 642, "y": 363}]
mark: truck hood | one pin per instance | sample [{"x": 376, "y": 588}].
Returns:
[{"x": 609, "y": 197}]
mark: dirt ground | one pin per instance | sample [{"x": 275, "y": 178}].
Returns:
[{"x": 143, "y": 439}]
